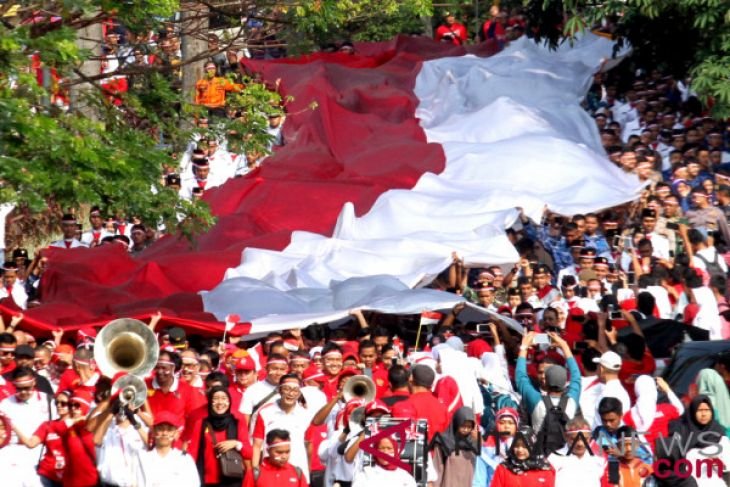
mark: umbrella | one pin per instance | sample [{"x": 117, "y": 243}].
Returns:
[{"x": 691, "y": 357}]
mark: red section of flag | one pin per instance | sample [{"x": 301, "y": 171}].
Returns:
[{"x": 361, "y": 140}]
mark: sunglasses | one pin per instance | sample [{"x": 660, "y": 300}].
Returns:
[
  {"x": 75, "y": 405},
  {"x": 62, "y": 403},
  {"x": 24, "y": 389}
]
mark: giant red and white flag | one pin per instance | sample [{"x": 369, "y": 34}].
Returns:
[{"x": 414, "y": 151}]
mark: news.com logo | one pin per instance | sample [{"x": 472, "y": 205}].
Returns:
[{"x": 663, "y": 468}]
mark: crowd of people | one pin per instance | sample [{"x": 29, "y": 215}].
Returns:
[{"x": 562, "y": 387}]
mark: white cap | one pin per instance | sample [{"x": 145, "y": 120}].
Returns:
[{"x": 610, "y": 361}]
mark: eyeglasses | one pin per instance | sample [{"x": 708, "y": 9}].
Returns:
[
  {"x": 8, "y": 353},
  {"x": 62, "y": 403},
  {"x": 24, "y": 389},
  {"x": 75, "y": 405}
]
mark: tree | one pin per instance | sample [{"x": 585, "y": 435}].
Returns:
[
  {"x": 104, "y": 148},
  {"x": 682, "y": 36}
]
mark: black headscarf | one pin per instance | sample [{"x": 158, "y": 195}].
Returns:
[
  {"x": 690, "y": 430},
  {"x": 450, "y": 441},
  {"x": 536, "y": 461},
  {"x": 217, "y": 422}
]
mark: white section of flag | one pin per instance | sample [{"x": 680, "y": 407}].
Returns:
[{"x": 514, "y": 135}]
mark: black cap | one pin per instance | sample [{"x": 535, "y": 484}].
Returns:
[
  {"x": 172, "y": 180},
  {"x": 600, "y": 261},
  {"x": 24, "y": 351},
  {"x": 20, "y": 253},
  {"x": 648, "y": 213},
  {"x": 68, "y": 218},
  {"x": 177, "y": 336},
  {"x": 541, "y": 269},
  {"x": 588, "y": 252}
]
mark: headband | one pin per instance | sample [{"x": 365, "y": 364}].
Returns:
[
  {"x": 81, "y": 400},
  {"x": 332, "y": 353},
  {"x": 24, "y": 381},
  {"x": 277, "y": 361},
  {"x": 165, "y": 362},
  {"x": 7, "y": 349},
  {"x": 278, "y": 443},
  {"x": 291, "y": 380},
  {"x": 82, "y": 362},
  {"x": 299, "y": 359}
]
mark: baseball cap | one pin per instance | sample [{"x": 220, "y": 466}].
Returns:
[
  {"x": 245, "y": 363},
  {"x": 609, "y": 360},
  {"x": 376, "y": 406},
  {"x": 166, "y": 417},
  {"x": 556, "y": 377}
]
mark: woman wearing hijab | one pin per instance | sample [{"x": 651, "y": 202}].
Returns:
[
  {"x": 216, "y": 434},
  {"x": 695, "y": 436},
  {"x": 646, "y": 415},
  {"x": 496, "y": 446},
  {"x": 711, "y": 384},
  {"x": 524, "y": 466},
  {"x": 455, "y": 451},
  {"x": 382, "y": 473}
]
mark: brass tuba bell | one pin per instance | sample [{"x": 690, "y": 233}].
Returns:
[
  {"x": 132, "y": 391},
  {"x": 359, "y": 387},
  {"x": 127, "y": 345}
]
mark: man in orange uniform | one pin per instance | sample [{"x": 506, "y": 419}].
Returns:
[{"x": 211, "y": 90}]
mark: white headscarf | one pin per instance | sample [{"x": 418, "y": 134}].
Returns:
[
  {"x": 494, "y": 373},
  {"x": 644, "y": 411},
  {"x": 464, "y": 372}
]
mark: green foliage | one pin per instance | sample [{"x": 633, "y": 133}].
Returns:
[
  {"x": 323, "y": 21},
  {"x": 99, "y": 153},
  {"x": 680, "y": 35}
]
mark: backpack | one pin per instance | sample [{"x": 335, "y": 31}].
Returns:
[
  {"x": 713, "y": 268},
  {"x": 551, "y": 436}
]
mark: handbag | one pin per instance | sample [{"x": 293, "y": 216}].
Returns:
[{"x": 231, "y": 462}]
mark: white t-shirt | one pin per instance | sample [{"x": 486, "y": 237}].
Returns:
[
  {"x": 255, "y": 394},
  {"x": 117, "y": 459},
  {"x": 27, "y": 417},
  {"x": 296, "y": 422},
  {"x": 572, "y": 470},
  {"x": 174, "y": 469},
  {"x": 375, "y": 476},
  {"x": 709, "y": 253}
]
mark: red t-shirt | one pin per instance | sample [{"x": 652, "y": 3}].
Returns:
[
  {"x": 456, "y": 31},
  {"x": 532, "y": 478},
  {"x": 424, "y": 405},
  {"x": 54, "y": 454},
  {"x": 180, "y": 402},
  {"x": 630, "y": 369},
  {"x": 211, "y": 462},
  {"x": 79, "y": 445},
  {"x": 315, "y": 435},
  {"x": 665, "y": 413},
  {"x": 447, "y": 391},
  {"x": 236, "y": 392},
  {"x": 273, "y": 476},
  {"x": 380, "y": 377}
]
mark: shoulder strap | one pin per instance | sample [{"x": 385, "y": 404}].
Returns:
[
  {"x": 256, "y": 473},
  {"x": 212, "y": 435},
  {"x": 263, "y": 401},
  {"x": 299, "y": 472},
  {"x": 703, "y": 259},
  {"x": 563, "y": 402}
]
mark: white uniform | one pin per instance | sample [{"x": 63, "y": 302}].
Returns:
[
  {"x": 89, "y": 237},
  {"x": 188, "y": 183},
  {"x": 68, "y": 244},
  {"x": 17, "y": 292}
]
